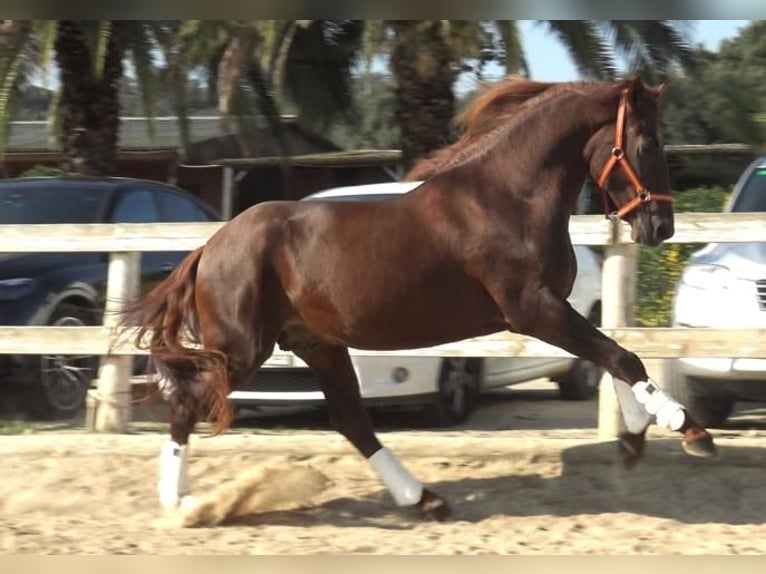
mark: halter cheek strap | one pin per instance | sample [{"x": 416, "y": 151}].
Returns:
[{"x": 618, "y": 158}]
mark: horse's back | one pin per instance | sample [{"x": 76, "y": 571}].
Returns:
[{"x": 348, "y": 268}]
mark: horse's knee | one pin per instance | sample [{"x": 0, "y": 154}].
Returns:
[{"x": 629, "y": 367}]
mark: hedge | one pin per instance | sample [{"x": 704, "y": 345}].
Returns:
[{"x": 660, "y": 267}]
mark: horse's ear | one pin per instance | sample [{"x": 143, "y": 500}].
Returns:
[{"x": 636, "y": 89}]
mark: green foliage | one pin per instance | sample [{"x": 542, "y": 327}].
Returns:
[
  {"x": 371, "y": 123},
  {"x": 723, "y": 101},
  {"x": 660, "y": 267},
  {"x": 44, "y": 171}
]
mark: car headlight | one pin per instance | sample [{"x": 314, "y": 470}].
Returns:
[
  {"x": 16, "y": 288},
  {"x": 708, "y": 277}
]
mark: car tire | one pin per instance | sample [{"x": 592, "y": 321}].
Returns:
[
  {"x": 582, "y": 381},
  {"x": 708, "y": 407},
  {"x": 63, "y": 380},
  {"x": 457, "y": 393}
]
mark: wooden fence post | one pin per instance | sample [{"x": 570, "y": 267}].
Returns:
[
  {"x": 618, "y": 291},
  {"x": 112, "y": 398}
]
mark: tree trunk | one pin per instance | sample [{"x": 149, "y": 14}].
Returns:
[
  {"x": 89, "y": 99},
  {"x": 421, "y": 63}
]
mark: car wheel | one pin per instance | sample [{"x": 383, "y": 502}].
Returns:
[
  {"x": 581, "y": 382},
  {"x": 707, "y": 406},
  {"x": 64, "y": 379},
  {"x": 457, "y": 393}
]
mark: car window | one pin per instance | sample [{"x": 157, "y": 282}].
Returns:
[
  {"x": 177, "y": 208},
  {"x": 136, "y": 206},
  {"x": 752, "y": 197},
  {"x": 24, "y": 204}
]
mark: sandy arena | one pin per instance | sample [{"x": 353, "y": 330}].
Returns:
[{"x": 515, "y": 487}]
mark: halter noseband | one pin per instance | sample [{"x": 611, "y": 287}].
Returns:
[{"x": 618, "y": 157}]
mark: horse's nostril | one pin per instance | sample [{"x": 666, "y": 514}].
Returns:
[{"x": 664, "y": 231}]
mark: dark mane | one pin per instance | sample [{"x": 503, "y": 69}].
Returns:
[{"x": 487, "y": 116}]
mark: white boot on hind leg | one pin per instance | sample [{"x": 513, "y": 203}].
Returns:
[{"x": 173, "y": 486}]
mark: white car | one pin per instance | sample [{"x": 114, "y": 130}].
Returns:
[
  {"x": 446, "y": 386},
  {"x": 724, "y": 287}
]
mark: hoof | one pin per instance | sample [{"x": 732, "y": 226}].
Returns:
[
  {"x": 702, "y": 446},
  {"x": 631, "y": 448},
  {"x": 433, "y": 507}
]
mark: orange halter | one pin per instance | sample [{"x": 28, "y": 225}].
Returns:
[{"x": 618, "y": 157}]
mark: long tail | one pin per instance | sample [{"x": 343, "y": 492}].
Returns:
[{"x": 168, "y": 328}]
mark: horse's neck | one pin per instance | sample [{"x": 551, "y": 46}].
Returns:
[{"x": 568, "y": 130}]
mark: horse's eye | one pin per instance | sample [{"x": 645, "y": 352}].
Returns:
[{"x": 648, "y": 143}]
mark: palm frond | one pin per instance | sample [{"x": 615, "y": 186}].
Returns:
[
  {"x": 589, "y": 49},
  {"x": 97, "y": 35},
  {"x": 54, "y": 120},
  {"x": 655, "y": 47},
  {"x": 238, "y": 52},
  {"x": 45, "y": 31},
  {"x": 318, "y": 69},
  {"x": 513, "y": 50},
  {"x": 140, "y": 45},
  {"x": 266, "y": 104},
  {"x": 170, "y": 40},
  {"x": 13, "y": 50}
]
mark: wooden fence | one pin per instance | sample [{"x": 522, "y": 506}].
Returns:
[{"x": 125, "y": 242}]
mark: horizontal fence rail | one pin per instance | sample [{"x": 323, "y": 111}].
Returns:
[
  {"x": 147, "y": 237},
  {"x": 125, "y": 242},
  {"x": 648, "y": 343}
]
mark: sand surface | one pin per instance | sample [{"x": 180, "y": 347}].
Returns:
[
  {"x": 525, "y": 475},
  {"x": 511, "y": 491}
]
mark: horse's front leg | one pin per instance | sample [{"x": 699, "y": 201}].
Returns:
[
  {"x": 541, "y": 314},
  {"x": 332, "y": 366}
]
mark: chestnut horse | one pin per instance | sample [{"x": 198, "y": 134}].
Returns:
[{"x": 481, "y": 246}]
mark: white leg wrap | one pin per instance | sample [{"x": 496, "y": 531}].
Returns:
[
  {"x": 174, "y": 474},
  {"x": 405, "y": 489},
  {"x": 633, "y": 413},
  {"x": 670, "y": 413}
]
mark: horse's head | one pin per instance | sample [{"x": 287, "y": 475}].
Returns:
[{"x": 628, "y": 163}]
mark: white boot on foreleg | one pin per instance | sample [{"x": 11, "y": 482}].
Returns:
[{"x": 644, "y": 400}]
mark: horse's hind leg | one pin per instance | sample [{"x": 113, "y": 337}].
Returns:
[
  {"x": 173, "y": 483},
  {"x": 332, "y": 366},
  {"x": 187, "y": 388}
]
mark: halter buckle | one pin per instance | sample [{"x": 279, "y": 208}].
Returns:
[
  {"x": 645, "y": 195},
  {"x": 618, "y": 152}
]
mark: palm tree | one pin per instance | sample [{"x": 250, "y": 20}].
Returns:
[
  {"x": 427, "y": 56},
  {"x": 256, "y": 68},
  {"x": 90, "y": 57},
  {"x": 246, "y": 64}
]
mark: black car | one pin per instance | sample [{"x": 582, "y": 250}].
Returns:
[{"x": 68, "y": 288}]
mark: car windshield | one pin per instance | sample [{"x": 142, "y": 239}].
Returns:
[
  {"x": 25, "y": 204},
  {"x": 753, "y": 194}
]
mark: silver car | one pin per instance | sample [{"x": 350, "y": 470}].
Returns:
[
  {"x": 723, "y": 286},
  {"x": 447, "y": 387}
]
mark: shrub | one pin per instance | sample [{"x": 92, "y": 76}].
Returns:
[{"x": 660, "y": 267}]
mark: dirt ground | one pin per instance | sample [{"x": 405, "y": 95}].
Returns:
[{"x": 526, "y": 476}]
